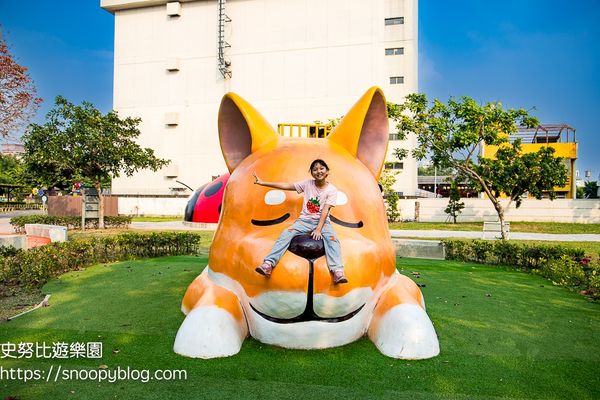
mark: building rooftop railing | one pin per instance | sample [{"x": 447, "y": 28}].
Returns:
[
  {"x": 304, "y": 130},
  {"x": 545, "y": 133}
]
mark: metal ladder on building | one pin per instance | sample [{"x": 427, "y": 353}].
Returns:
[{"x": 223, "y": 64}]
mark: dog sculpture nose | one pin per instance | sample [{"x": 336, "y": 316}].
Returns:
[{"x": 307, "y": 247}]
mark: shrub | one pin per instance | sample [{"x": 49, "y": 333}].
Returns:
[
  {"x": 34, "y": 267},
  {"x": 564, "y": 272},
  {"x": 8, "y": 251},
  {"x": 562, "y": 265},
  {"x": 71, "y": 222},
  {"x": 527, "y": 257}
]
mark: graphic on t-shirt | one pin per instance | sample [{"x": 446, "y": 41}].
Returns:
[{"x": 313, "y": 205}]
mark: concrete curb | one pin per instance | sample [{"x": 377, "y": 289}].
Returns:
[{"x": 43, "y": 303}]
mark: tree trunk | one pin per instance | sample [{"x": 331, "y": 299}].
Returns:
[
  {"x": 495, "y": 201},
  {"x": 100, "y": 206},
  {"x": 502, "y": 226},
  {"x": 500, "y": 212}
]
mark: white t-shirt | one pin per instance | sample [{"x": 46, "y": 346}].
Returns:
[{"x": 314, "y": 198}]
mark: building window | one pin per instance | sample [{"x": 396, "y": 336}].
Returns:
[
  {"x": 394, "y": 165},
  {"x": 394, "y": 21},
  {"x": 395, "y": 51},
  {"x": 394, "y": 136},
  {"x": 394, "y": 80}
]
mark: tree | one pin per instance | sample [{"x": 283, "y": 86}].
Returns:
[
  {"x": 387, "y": 181},
  {"x": 432, "y": 170},
  {"x": 18, "y": 96},
  {"x": 590, "y": 190},
  {"x": 80, "y": 144},
  {"x": 11, "y": 170},
  {"x": 452, "y": 135},
  {"x": 12, "y": 179},
  {"x": 455, "y": 206}
]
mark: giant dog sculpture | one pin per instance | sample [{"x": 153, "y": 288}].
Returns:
[{"x": 299, "y": 306}]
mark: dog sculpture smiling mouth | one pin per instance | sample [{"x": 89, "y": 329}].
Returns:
[
  {"x": 299, "y": 306},
  {"x": 305, "y": 246}
]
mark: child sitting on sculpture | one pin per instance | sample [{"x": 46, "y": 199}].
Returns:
[{"x": 319, "y": 196}]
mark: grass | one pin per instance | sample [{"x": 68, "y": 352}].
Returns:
[
  {"x": 503, "y": 334},
  {"x": 516, "y": 226},
  {"x": 14, "y": 300}
]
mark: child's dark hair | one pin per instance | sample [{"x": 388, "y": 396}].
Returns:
[{"x": 318, "y": 161}]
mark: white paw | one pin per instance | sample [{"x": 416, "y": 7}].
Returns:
[
  {"x": 406, "y": 332},
  {"x": 209, "y": 332}
]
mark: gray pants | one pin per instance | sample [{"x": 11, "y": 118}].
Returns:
[{"x": 333, "y": 253}]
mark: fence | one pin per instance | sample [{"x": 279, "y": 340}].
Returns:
[{"x": 71, "y": 206}]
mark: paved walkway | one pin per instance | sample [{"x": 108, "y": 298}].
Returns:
[
  {"x": 167, "y": 225},
  {"x": 5, "y": 227},
  {"x": 397, "y": 233}
]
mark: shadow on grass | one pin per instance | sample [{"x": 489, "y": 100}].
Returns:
[{"x": 502, "y": 334}]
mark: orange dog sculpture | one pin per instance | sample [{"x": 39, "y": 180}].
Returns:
[{"x": 299, "y": 306}]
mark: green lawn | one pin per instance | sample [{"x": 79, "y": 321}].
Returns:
[
  {"x": 516, "y": 226},
  {"x": 503, "y": 334}
]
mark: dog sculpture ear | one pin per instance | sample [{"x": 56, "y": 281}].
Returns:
[
  {"x": 364, "y": 130},
  {"x": 242, "y": 130}
]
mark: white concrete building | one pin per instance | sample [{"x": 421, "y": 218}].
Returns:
[{"x": 296, "y": 61}]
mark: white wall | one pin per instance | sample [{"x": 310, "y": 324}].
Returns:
[
  {"x": 152, "y": 205},
  {"x": 296, "y": 61},
  {"x": 560, "y": 210}
]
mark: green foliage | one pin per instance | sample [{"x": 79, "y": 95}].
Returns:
[
  {"x": 80, "y": 144},
  {"x": 12, "y": 176},
  {"x": 71, "y": 222},
  {"x": 11, "y": 170},
  {"x": 34, "y": 267},
  {"x": 514, "y": 174},
  {"x": 590, "y": 190},
  {"x": 563, "y": 266},
  {"x": 387, "y": 181},
  {"x": 576, "y": 273},
  {"x": 564, "y": 272},
  {"x": 8, "y": 251},
  {"x": 432, "y": 170},
  {"x": 400, "y": 154},
  {"x": 452, "y": 134},
  {"x": 527, "y": 257},
  {"x": 455, "y": 206}
]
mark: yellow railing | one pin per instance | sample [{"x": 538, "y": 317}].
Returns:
[{"x": 304, "y": 130}]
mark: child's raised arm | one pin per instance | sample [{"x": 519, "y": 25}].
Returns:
[{"x": 274, "y": 185}]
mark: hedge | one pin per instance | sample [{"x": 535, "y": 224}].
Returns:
[
  {"x": 18, "y": 223},
  {"x": 34, "y": 267},
  {"x": 564, "y": 266}
]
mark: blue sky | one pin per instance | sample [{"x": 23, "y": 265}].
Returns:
[{"x": 527, "y": 53}]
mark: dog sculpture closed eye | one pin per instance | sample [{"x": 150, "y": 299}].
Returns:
[{"x": 299, "y": 306}]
